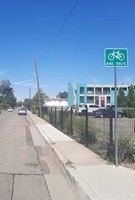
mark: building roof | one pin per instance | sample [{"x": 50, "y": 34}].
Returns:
[{"x": 56, "y": 99}]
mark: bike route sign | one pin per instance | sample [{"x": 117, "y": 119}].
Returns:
[{"x": 116, "y": 57}]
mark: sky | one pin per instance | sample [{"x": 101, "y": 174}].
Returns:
[{"x": 28, "y": 27}]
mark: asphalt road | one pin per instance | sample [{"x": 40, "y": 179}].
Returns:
[{"x": 28, "y": 168}]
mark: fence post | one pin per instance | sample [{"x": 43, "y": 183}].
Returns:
[
  {"x": 71, "y": 121},
  {"x": 55, "y": 117},
  {"x": 86, "y": 135},
  {"x": 50, "y": 118},
  {"x": 61, "y": 118},
  {"x": 42, "y": 111},
  {"x": 111, "y": 130},
  {"x": 38, "y": 111}
]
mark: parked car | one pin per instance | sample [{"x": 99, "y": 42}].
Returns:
[
  {"x": 81, "y": 110},
  {"x": 91, "y": 108},
  {"x": 22, "y": 111},
  {"x": 106, "y": 113},
  {"x": 69, "y": 108},
  {"x": 10, "y": 109}
]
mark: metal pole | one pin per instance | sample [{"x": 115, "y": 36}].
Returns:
[
  {"x": 116, "y": 127},
  {"x": 71, "y": 121},
  {"x": 51, "y": 117},
  {"x": 111, "y": 130},
  {"x": 61, "y": 118},
  {"x": 86, "y": 134},
  {"x": 29, "y": 93},
  {"x": 55, "y": 117},
  {"x": 38, "y": 89},
  {"x": 29, "y": 99}
]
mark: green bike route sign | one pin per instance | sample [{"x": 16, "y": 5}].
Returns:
[{"x": 116, "y": 57}]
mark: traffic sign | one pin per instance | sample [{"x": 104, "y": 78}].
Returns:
[{"x": 116, "y": 57}]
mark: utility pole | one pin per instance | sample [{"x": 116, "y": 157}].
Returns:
[
  {"x": 38, "y": 90},
  {"x": 29, "y": 98},
  {"x": 29, "y": 93}
]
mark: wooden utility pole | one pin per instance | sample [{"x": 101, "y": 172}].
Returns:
[
  {"x": 38, "y": 89},
  {"x": 30, "y": 98},
  {"x": 29, "y": 93}
]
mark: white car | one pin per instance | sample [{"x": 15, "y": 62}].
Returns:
[
  {"x": 10, "y": 109},
  {"x": 22, "y": 111},
  {"x": 92, "y": 108},
  {"x": 80, "y": 110}
]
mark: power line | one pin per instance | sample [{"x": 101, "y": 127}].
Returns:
[{"x": 59, "y": 32}]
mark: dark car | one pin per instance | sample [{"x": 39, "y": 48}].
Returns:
[{"x": 106, "y": 113}]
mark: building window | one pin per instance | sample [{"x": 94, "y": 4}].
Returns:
[
  {"x": 90, "y": 90},
  {"x": 106, "y": 90},
  {"x": 97, "y": 100},
  {"x": 108, "y": 99},
  {"x": 124, "y": 89},
  {"x": 98, "y": 90},
  {"x": 90, "y": 99},
  {"x": 103, "y": 102},
  {"x": 81, "y": 90},
  {"x": 81, "y": 99},
  {"x": 113, "y": 88}
]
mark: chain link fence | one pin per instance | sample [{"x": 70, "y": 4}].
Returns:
[{"x": 95, "y": 133}]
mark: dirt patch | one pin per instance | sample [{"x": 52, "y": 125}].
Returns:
[{"x": 129, "y": 165}]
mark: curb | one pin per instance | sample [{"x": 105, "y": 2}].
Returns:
[{"x": 83, "y": 190}]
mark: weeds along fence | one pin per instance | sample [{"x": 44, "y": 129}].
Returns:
[{"x": 95, "y": 133}]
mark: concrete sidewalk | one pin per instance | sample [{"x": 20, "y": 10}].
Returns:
[{"x": 91, "y": 176}]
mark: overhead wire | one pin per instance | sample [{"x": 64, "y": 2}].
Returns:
[{"x": 62, "y": 27}]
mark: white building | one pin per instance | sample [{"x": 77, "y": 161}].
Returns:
[{"x": 56, "y": 102}]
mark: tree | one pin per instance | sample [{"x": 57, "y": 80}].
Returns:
[
  {"x": 131, "y": 97},
  {"x": 35, "y": 99},
  {"x": 20, "y": 103},
  {"x": 27, "y": 103},
  {"x": 63, "y": 95},
  {"x": 121, "y": 98},
  {"x": 7, "y": 97}
]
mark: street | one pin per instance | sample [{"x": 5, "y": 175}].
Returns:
[{"x": 28, "y": 167}]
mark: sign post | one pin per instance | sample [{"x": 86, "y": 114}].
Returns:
[
  {"x": 116, "y": 124},
  {"x": 116, "y": 58}
]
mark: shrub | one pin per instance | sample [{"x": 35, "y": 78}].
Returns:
[
  {"x": 81, "y": 132},
  {"x": 67, "y": 126},
  {"x": 126, "y": 150},
  {"x": 46, "y": 118},
  {"x": 129, "y": 112}
]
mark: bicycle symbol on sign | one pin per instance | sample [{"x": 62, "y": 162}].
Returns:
[{"x": 117, "y": 55}]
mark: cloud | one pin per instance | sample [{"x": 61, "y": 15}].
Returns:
[
  {"x": 127, "y": 79},
  {"x": 28, "y": 82},
  {"x": 62, "y": 86},
  {"x": 94, "y": 80},
  {"x": 44, "y": 86},
  {"x": 34, "y": 74},
  {"x": 3, "y": 72}
]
